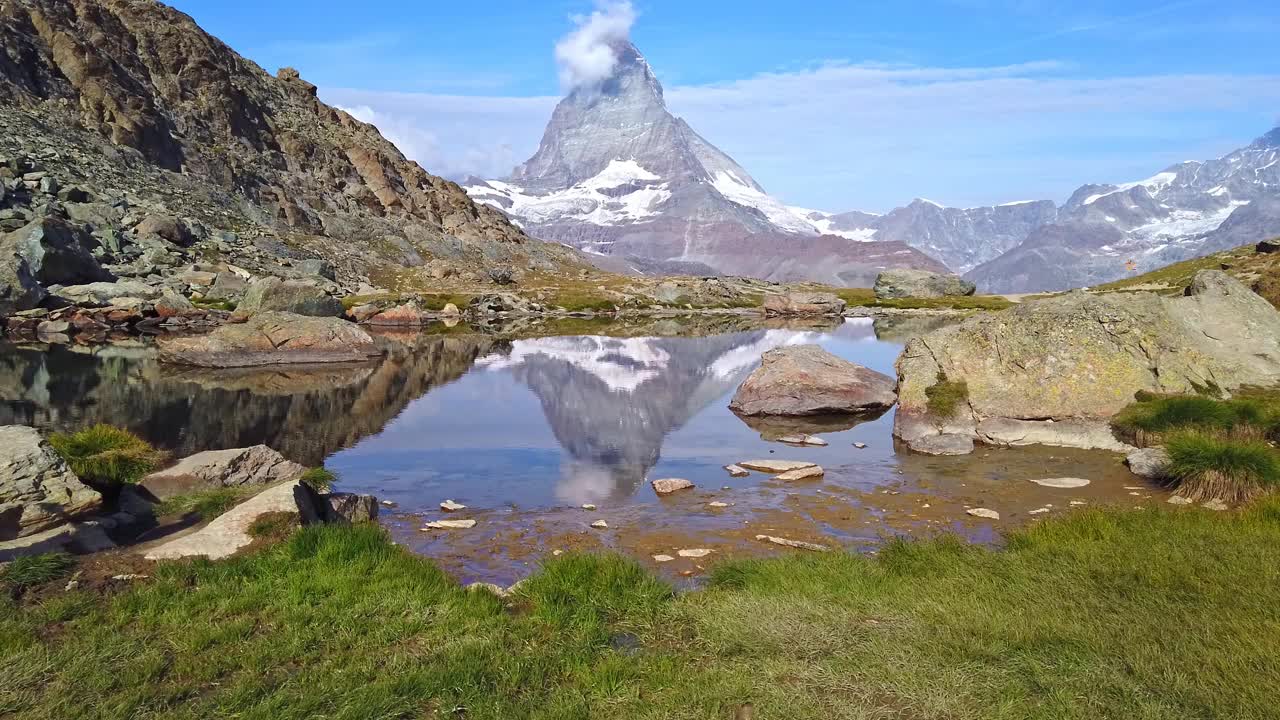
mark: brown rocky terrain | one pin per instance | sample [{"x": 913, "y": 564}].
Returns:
[{"x": 172, "y": 150}]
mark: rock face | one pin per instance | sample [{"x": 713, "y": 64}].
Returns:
[
  {"x": 1053, "y": 371},
  {"x": 230, "y": 532},
  {"x": 273, "y": 338},
  {"x": 893, "y": 284},
  {"x": 807, "y": 380},
  {"x": 257, "y": 465},
  {"x": 37, "y": 489},
  {"x": 803, "y": 303},
  {"x": 300, "y": 297},
  {"x": 349, "y": 508},
  {"x": 55, "y": 252}
]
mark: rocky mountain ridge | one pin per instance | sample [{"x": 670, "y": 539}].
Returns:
[{"x": 146, "y": 114}]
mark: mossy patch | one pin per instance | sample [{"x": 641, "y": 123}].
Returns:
[{"x": 945, "y": 397}]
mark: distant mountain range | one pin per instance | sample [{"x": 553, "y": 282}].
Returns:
[{"x": 619, "y": 176}]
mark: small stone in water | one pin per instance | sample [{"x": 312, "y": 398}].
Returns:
[
  {"x": 1179, "y": 500},
  {"x": 388, "y": 503},
  {"x": 984, "y": 513},
  {"x": 694, "y": 553},
  {"x": 588, "y": 506},
  {"x": 800, "y": 544},
  {"x": 813, "y": 471},
  {"x": 666, "y": 486},
  {"x": 1078, "y": 502},
  {"x": 737, "y": 471},
  {"x": 450, "y": 525},
  {"x": 451, "y": 506},
  {"x": 1039, "y": 511},
  {"x": 1062, "y": 482},
  {"x": 717, "y": 504},
  {"x": 775, "y": 466},
  {"x": 662, "y": 558},
  {"x": 600, "y": 524},
  {"x": 860, "y": 446},
  {"x": 557, "y": 552}
]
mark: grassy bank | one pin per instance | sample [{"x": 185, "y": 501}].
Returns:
[{"x": 1154, "y": 613}]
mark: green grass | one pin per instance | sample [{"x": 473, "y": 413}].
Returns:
[
  {"x": 1153, "y": 613},
  {"x": 866, "y": 297},
  {"x": 33, "y": 570},
  {"x": 1148, "y": 420},
  {"x": 1212, "y": 466},
  {"x": 207, "y": 504},
  {"x": 274, "y": 525},
  {"x": 320, "y": 478},
  {"x": 945, "y": 397},
  {"x": 106, "y": 456}
]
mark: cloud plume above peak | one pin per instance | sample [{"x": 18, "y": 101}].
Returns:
[{"x": 586, "y": 55}]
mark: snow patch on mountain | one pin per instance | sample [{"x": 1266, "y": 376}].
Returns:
[
  {"x": 588, "y": 201},
  {"x": 736, "y": 190},
  {"x": 1153, "y": 184}
]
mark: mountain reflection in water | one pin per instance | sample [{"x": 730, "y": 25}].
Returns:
[{"x": 529, "y": 421}]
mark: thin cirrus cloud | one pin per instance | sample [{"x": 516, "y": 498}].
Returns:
[{"x": 842, "y": 135}]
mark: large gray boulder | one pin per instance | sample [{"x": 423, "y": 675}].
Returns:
[
  {"x": 19, "y": 289},
  {"x": 273, "y": 338},
  {"x": 301, "y": 297},
  {"x": 905, "y": 283},
  {"x": 38, "y": 491},
  {"x": 807, "y": 380},
  {"x": 102, "y": 293},
  {"x": 803, "y": 303},
  {"x": 56, "y": 252},
  {"x": 229, "y": 532},
  {"x": 257, "y": 465},
  {"x": 1054, "y": 371}
]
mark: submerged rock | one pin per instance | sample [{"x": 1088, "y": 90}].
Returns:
[
  {"x": 1148, "y": 463},
  {"x": 1062, "y": 483},
  {"x": 906, "y": 283},
  {"x": 984, "y": 513},
  {"x": 450, "y": 524},
  {"x": 805, "y": 473},
  {"x": 807, "y": 380},
  {"x": 798, "y": 544},
  {"x": 774, "y": 467},
  {"x": 1054, "y": 371},
  {"x": 273, "y": 338},
  {"x": 37, "y": 489},
  {"x": 736, "y": 471},
  {"x": 666, "y": 486}
]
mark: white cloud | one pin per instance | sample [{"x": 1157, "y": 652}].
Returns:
[
  {"x": 586, "y": 55},
  {"x": 842, "y": 135}
]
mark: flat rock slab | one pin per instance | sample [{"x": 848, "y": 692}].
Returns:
[
  {"x": 1064, "y": 482},
  {"x": 451, "y": 506},
  {"x": 984, "y": 513},
  {"x": 257, "y": 465},
  {"x": 273, "y": 338},
  {"x": 666, "y": 486},
  {"x": 737, "y": 471},
  {"x": 694, "y": 552},
  {"x": 230, "y": 532},
  {"x": 807, "y": 380},
  {"x": 450, "y": 525},
  {"x": 774, "y": 467},
  {"x": 945, "y": 444},
  {"x": 801, "y": 439},
  {"x": 805, "y": 473},
  {"x": 798, "y": 544}
]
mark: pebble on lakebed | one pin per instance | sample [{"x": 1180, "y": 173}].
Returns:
[
  {"x": 737, "y": 471},
  {"x": 450, "y": 525},
  {"x": 1063, "y": 482},
  {"x": 600, "y": 524},
  {"x": 775, "y": 466},
  {"x": 451, "y": 506},
  {"x": 666, "y": 486},
  {"x": 984, "y": 513},
  {"x": 804, "y": 473},
  {"x": 798, "y": 544},
  {"x": 694, "y": 552}
]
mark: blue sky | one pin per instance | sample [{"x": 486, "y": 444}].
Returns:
[{"x": 833, "y": 105}]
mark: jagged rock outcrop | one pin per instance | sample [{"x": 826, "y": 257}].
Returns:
[
  {"x": 237, "y": 467},
  {"x": 807, "y": 380},
  {"x": 37, "y": 489},
  {"x": 904, "y": 283},
  {"x": 1053, "y": 371}
]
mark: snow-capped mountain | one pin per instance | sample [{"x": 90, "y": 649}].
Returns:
[
  {"x": 618, "y": 175},
  {"x": 1105, "y": 232}
]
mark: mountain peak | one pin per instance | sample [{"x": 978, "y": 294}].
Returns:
[{"x": 1270, "y": 140}]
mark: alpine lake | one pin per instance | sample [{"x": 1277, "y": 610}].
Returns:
[{"x": 543, "y": 430}]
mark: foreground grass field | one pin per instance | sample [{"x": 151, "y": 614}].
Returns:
[{"x": 1153, "y": 613}]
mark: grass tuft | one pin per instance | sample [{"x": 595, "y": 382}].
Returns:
[
  {"x": 320, "y": 478},
  {"x": 33, "y": 570},
  {"x": 944, "y": 398},
  {"x": 207, "y": 505},
  {"x": 1214, "y": 467},
  {"x": 106, "y": 456},
  {"x": 1146, "y": 422},
  {"x": 274, "y": 526}
]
